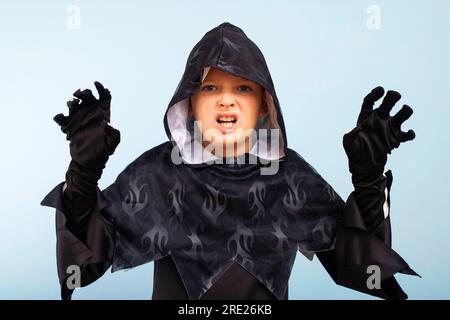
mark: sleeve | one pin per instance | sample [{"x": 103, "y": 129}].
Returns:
[
  {"x": 89, "y": 245},
  {"x": 362, "y": 258}
]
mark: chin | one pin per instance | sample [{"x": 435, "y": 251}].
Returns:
[{"x": 228, "y": 145}]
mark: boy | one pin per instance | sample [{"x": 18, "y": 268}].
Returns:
[{"x": 223, "y": 207}]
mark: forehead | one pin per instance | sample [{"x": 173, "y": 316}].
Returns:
[{"x": 219, "y": 75}]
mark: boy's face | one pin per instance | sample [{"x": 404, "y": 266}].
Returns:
[{"x": 227, "y": 108}]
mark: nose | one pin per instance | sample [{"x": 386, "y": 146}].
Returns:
[{"x": 226, "y": 100}]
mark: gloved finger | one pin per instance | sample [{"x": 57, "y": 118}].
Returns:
[
  {"x": 85, "y": 95},
  {"x": 407, "y": 136},
  {"x": 73, "y": 104},
  {"x": 389, "y": 102},
  {"x": 369, "y": 102},
  {"x": 109, "y": 129},
  {"x": 112, "y": 138},
  {"x": 60, "y": 119},
  {"x": 349, "y": 138},
  {"x": 103, "y": 93},
  {"x": 401, "y": 116}
]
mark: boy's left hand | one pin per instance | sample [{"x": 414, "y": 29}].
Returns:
[{"x": 376, "y": 135}]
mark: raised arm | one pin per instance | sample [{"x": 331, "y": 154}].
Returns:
[
  {"x": 363, "y": 241},
  {"x": 85, "y": 239}
]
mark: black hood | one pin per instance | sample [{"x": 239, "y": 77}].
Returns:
[{"x": 227, "y": 48}]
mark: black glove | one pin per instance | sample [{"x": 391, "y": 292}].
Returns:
[
  {"x": 367, "y": 147},
  {"x": 375, "y": 136},
  {"x": 92, "y": 141}
]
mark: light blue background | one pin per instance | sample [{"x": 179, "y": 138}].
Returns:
[{"x": 323, "y": 60}]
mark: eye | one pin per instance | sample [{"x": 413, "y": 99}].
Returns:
[
  {"x": 208, "y": 88},
  {"x": 244, "y": 88}
]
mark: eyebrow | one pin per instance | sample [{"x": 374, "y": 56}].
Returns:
[{"x": 243, "y": 81}]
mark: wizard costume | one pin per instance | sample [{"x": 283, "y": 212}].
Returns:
[{"x": 224, "y": 230}]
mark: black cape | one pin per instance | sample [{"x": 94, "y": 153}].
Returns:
[{"x": 201, "y": 222}]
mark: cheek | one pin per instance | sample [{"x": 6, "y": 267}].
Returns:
[
  {"x": 251, "y": 111},
  {"x": 201, "y": 109}
]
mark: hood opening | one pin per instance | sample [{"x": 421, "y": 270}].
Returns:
[{"x": 269, "y": 144}]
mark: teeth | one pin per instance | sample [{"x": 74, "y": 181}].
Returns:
[
  {"x": 226, "y": 118},
  {"x": 226, "y": 124}
]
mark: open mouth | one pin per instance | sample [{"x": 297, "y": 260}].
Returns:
[{"x": 226, "y": 121}]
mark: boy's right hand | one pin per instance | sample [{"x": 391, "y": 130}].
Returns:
[{"x": 92, "y": 139}]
